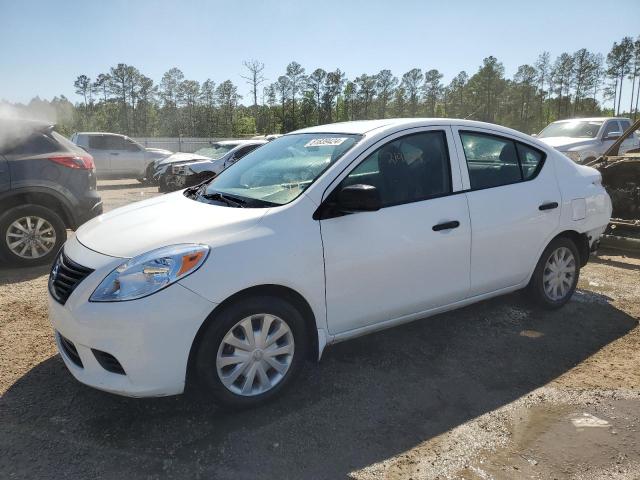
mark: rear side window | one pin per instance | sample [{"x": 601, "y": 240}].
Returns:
[
  {"x": 409, "y": 169},
  {"x": 530, "y": 160},
  {"x": 493, "y": 161},
  {"x": 36, "y": 143}
]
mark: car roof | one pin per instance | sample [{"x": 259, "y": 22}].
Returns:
[
  {"x": 100, "y": 133},
  {"x": 363, "y": 127},
  {"x": 238, "y": 142},
  {"x": 24, "y": 123},
  {"x": 591, "y": 119}
]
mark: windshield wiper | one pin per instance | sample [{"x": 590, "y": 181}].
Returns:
[{"x": 220, "y": 197}]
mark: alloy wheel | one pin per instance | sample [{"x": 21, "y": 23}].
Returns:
[{"x": 31, "y": 237}]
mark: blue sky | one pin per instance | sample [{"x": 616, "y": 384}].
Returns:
[{"x": 45, "y": 45}]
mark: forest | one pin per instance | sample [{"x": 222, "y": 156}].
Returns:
[{"x": 124, "y": 100}]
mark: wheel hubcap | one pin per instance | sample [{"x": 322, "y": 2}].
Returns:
[
  {"x": 255, "y": 354},
  {"x": 31, "y": 237},
  {"x": 559, "y": 273}
]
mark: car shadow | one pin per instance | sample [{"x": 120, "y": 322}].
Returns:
[
  {"x": 369, "y": 399},
  {"x": 121, "y": 186},
  {"x": 10, "y": 274}
]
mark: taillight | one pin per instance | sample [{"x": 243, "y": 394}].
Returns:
[{"x": 82, "y": 162}]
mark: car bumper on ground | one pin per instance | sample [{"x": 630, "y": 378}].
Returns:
[{"x": 136, "y": 348}]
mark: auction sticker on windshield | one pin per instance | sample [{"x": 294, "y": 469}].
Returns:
[{"x": 325, "y": 142}]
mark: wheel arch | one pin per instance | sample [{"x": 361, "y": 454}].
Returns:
[
  {"x": 581, "y": 241},
  {"x": 273, "y": 290},
  {"x": 41, "y": 198}
]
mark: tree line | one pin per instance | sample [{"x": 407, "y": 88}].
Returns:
[{"x": 574, "y": 84}]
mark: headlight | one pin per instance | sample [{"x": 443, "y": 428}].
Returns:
[
  {"x": 146, "y": 274},
  {"x": 575, "y": 156}
]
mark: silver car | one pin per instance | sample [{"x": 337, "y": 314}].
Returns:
[
  {"x": 118, "y": 155},
  {"x": 585, "y": 139}
]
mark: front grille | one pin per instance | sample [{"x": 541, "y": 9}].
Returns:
[
  {"x": 70, "y": 350},
  {"x": 108, "y": 362},
  {"x": 65, "y": 277}
]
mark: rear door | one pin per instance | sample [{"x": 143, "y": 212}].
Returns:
[{"x": 514, "y": 205}]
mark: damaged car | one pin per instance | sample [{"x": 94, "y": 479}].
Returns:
[
  {"x": 325, "y": 234},
  {"x": 620, "y": 169},
  {"x": 185, "y": 169},
  {"x": 584, "y": 140}
]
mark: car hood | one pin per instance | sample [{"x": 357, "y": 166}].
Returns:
[
  {"x": 181, "y": 157},
  {"x": 158, "y": 151},
  {"x": 565, "y": 143},
  {"x": 166, "y": 220}
]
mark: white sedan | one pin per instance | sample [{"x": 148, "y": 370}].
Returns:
[{"x": 322, "y": 235}]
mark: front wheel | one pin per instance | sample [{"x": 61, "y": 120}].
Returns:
[
  {"x": 251, "y": 351},
  {"x": 556, "y": 275}
]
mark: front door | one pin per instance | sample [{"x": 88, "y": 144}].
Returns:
[
  {"x": 98, "y": 147},
  {"x": 514, "y": 204},
  {"x": 410, "y": 256},
  {"x": 127, "y": 157}
]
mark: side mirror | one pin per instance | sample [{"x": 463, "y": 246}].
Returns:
[
  {"x": 613, "y": 136},
  {"x": 359, "y": 198}
]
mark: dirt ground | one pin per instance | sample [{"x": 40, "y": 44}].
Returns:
[{"x": 496, "y": 390}]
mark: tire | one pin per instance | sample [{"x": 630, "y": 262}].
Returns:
[
  {"x": 52, "y": 236},
  {"x": 540, "y": 288},
  {"x": 214, "y": 352}
]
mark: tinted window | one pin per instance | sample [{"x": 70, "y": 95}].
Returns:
[
  {"x": 243, "y": 151},
  {"x": 530, "y": 160},
  {"x": 625, "y": 124},
  {"x": 35, "y": 144},
  {"x": 106, "y": 142},
  {"x": 411, "y": 168},
  {"x": 610, "y": 127},
  {"x": 492, "y": 161},
  {"x": 131, "y": 146}
]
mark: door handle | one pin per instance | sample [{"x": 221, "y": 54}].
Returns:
[
  {"x": 548, "y": 206},
  {"x": 446, "y": 226},
  {"x": 115, "y": 153}
]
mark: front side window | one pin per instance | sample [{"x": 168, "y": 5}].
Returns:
[
  {"x": 409, "y": 169},
  {"x": 611, "y": 127},
  {"x": 280, "y": 170}
]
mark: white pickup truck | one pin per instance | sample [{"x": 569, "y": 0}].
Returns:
[
  {"x": 585, "y": 139},
  {"x": 118, "y": 155}
]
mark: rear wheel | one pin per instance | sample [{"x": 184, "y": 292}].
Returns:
[
  {"x": 30, "y": 235},
  {"x": 556, "y": 275},
  {"x": 251, "y": 351}
]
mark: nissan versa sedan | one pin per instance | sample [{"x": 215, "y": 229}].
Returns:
[{"x": 319, "y": 236}]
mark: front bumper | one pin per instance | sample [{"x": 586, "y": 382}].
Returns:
[{"x": 150, "y": 338}]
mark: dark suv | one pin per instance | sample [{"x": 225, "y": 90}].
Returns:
[{"x": 47, "y": 184}]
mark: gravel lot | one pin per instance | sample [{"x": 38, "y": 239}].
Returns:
[{"x": 496, "y": 390}]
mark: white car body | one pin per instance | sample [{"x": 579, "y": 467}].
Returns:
[
  {"x": 118, "y": 155},
  {"x": 358, "y": 273},
  {"x": 583, "y": 150}
]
